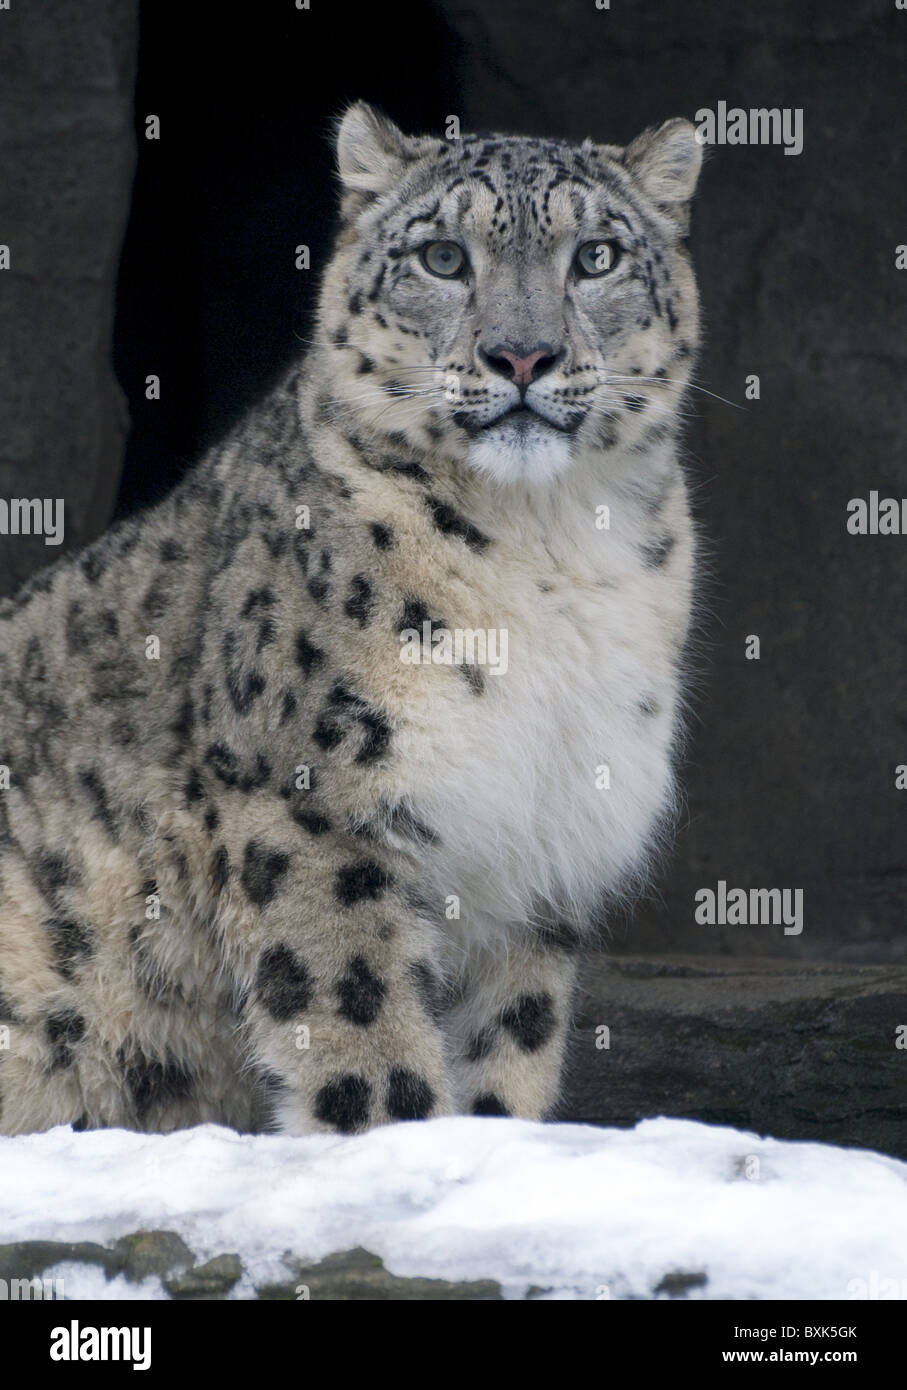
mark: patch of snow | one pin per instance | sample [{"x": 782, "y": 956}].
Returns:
[
  {"x": 88, "y": 1281},
  {"x": 583, "y": 1212}
]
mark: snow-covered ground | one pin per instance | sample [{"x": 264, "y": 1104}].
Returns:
[{"x": 578, "y": 1211}]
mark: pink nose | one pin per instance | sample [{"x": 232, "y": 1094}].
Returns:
[{"x": 522, "y": 366}]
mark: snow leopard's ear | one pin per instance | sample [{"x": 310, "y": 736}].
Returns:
[
  {"x": 371, "y": 151},
  {"x": 666, "y": 164}
]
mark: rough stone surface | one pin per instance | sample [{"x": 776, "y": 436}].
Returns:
[
  {"x": 359, "y": 1275},
  {"x": 137, "y": 1257},
  {"x": 349, "y": 1276},
  {"x": 796, "y": 1050},
  {"x": 152, "y": 1252},
  {"x": 66, "y": 84},
  {"x": 28, "y": 1259},
  {"x": 214, "y": 1279}
]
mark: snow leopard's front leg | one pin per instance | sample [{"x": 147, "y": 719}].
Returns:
[
  {"x": 341, "y": 978},
  {"x": 510, "y": 1021}
]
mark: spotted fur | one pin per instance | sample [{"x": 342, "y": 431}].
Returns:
[{"x": 256, "y": 869}]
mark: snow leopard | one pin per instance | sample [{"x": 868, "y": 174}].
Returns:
[{"x": 318, "y": 774}]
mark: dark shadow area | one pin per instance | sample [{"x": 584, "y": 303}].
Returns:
[{"x": 209, "y": 297}]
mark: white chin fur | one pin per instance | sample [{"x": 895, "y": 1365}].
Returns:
[{"x": 511, "y": 454}]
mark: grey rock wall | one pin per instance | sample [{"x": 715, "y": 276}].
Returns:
[
  {"x": 66, "y": 160},
  {"x": 799, "y": 1051}
]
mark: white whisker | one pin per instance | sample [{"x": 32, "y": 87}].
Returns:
[{"x": 673, "y": 381}]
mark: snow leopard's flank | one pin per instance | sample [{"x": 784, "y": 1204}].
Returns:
[{"x": 255, "y": 868}]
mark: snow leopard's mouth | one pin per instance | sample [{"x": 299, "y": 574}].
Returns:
[{"x": 523, "y": 417}]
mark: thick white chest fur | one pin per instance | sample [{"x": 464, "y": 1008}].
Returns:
[{"x": 547, "y": 788}]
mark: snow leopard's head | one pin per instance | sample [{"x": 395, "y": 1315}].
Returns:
[{"x": 512, "y": 299}]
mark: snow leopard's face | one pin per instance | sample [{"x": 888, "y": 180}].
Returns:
[{"x": 514, "y": 299}]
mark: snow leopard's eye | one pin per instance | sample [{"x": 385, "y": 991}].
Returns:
[
  {"x": 596, "y": 258},
  {"x": 444, "y": 258}
]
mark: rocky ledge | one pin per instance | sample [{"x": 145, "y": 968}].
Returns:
[
  {"x": 798, "y": 1050},
  {"x": 347, "y": 1276}
]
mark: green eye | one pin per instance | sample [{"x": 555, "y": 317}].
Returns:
[
  {"x": 444, "y": 258},
  {"x": 597, "y": 257}
]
